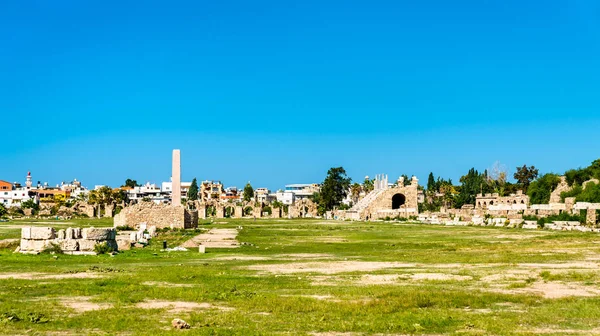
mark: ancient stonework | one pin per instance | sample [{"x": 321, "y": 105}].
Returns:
[
  {"x": 563, "y": 186},
  {"x": 70, "y": 241},
  {"x": 159, "y": 215}
]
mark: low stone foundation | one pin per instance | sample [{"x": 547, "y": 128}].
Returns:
[
  {"x": 71, "y": 241},
  {"x": 158, "y": 215}
]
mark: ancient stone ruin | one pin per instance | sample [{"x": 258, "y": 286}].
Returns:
[
  {"x": 172, "y": 216},
  {"x": 158, "y": 215},
  {"x": 70, "y": 241}
]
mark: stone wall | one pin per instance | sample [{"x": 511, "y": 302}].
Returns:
[
  {"x": 563, "y": 186},
  {"x": 159, "y": 215},
  {"x": 384, "y": 203},
  {"x": 71, "y": 241}
]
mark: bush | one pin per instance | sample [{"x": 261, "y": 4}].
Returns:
[
  {"x": 102, "y": 248},
  {"x": 52, "y": 249},
  {"x": 125, "y": 228}
]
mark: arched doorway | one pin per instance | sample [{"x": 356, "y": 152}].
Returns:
[{"x": 398, "y": 200}]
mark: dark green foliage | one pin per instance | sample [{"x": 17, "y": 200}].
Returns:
[
  {"x": 578, "y": 176},
  {"x": 131, "y": 183},
  {"x": 368, "y": 185},
  {"x": 193, "y": 191},
  {"x": 3, "y": 210},
  {"x": 525, "y": 175},
  {"x": 30, "y": 204},
  {"x": 591, "y": 193},
  {"x": 102, "y": 248},
  {"x": 334, "y": 189},
  {"x": 248, "y": 192},
  {"x": 431, "y": 182},
  {"x": 539, "y": 190},
  {"x": 471, "y": 184}
]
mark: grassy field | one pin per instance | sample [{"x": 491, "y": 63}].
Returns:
[{"x": 312, "y": 277}]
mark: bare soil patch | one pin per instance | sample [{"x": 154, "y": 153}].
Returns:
[
  {"x": 215, "y": 238},
  {"x": 556, "y": 290},
  {"x": 82, "y": 304},
  {"x": 46, "y": 276},
  {"x": 178, "y": 306},
  {"x": 440, "y": 277},
  {"x": 241, "y": 257},
  {"x": 166, "y": 284},
  {"x": 328, "y": 267}
]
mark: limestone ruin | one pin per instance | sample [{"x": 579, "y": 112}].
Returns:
[{"x": 70, "y": 241}]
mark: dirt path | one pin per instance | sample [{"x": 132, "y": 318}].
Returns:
[{"x": 215, "y": 238}]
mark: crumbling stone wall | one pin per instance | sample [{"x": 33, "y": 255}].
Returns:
[
  {"x": 159, "y": 215},
  {"x": 303, "y": 208},
  {"x": 71, "y": 241},
  {"x": 563, "y": 186}
]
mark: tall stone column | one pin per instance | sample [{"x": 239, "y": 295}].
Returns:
[{"x": 176, "y": 179}]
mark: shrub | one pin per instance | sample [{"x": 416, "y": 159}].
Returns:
[
  {"x": 102, "y": 248},
  {"x": 52, "y": 249}
]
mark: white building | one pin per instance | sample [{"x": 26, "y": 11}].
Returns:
[
  {"x": 295, "y": 192},
  {"x": 148, "y": 191}
]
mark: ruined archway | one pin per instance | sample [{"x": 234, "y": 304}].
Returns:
[{"x": 398, "y": 200}]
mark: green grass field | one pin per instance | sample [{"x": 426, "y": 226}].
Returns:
[{"x": 312, "y": 277}]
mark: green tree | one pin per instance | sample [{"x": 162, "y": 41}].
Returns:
[
  {"x": 30, "y": 204},
  {"x": 368, "y": 185},
  {"x": 334, "y": 189},
  {"x": 539, "y": 191},
  {"x": 193, "y": 191},
  {"x": 3, "y": 210},
  {"x": 525, "y": 175},
  {"x": 431, "y": 185},
  {"x": 130, "y": 183},
  {"x": 472, "y": 184},
  {"x": 248, "y": 192},
  {"x": 355, "y": 190}
]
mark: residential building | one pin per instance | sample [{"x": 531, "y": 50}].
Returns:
[{"x": 210, "y": 190}]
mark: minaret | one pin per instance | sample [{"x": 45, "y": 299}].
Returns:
[
  {"x": 176, "y": 178},
  {"x": 28, "y": 180}
]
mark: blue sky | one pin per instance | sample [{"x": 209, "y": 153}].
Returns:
[{"x": 276, "y": 92}]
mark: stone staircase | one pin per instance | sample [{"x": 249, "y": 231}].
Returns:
[{"x": 367, "y": 200}]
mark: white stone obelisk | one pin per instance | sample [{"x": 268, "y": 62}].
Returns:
[{"x": 176, "y": 178}]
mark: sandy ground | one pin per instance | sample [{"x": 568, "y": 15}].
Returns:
[
  {"x": 46, "y": 276},
  {"x": 328, "y": 267},
  {"x": 82, "y": 304},
  {"x": 215, "y": 238},
  {"x": 178, "y": 306}
]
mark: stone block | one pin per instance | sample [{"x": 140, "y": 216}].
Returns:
[
  {"x": 98, "y": 233},
  {"x": 123, "y": 244},
  {"x": 133, "y": 237},
  {"x": 26, "y": 233},
  {"x": 87, "y": 244},
  {"x": 42, "y": 233},
  {"x": 69, "y": 245},
  {"x": 76, "y": 233},
  {"x": 69, "y": 233},
  {"x": 61, "y": 234},
  {"x": 202, "y": 249}
]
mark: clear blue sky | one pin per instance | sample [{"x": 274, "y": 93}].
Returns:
[{"x": 277, "y": 92}]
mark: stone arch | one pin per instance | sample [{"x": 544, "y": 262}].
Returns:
[
  {"x": 522, "y": 202},
  {"x": 515, "y": 202},
  {"x": 398, "y": 200},
  {"x": 491, "y": 202}
]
